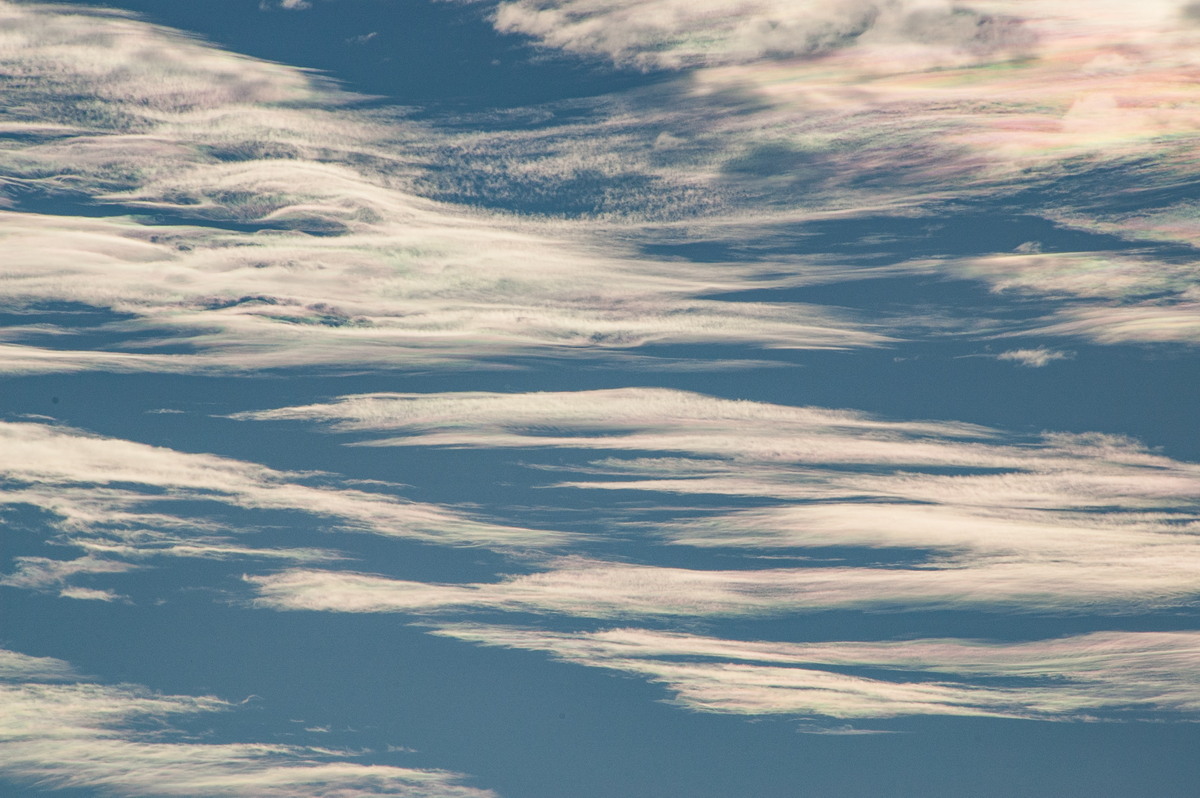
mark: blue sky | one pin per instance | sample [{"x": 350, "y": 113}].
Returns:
[{"x": 599, "y": 398}]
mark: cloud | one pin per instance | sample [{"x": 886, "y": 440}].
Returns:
[
  {"x": 672, "y": 34},
  {"x": 1033, "y": 358},
  {"x": 1067, "y": 110},
  {"x": 598, "y": 589},
  {"x": 123, "y": 502},
  {"x": 455, "y": 294},
  {"x": 635, "y": 419},
  {"x": 61, "y": 731},
  {"x": 775, "y": 446},
  {"x": 1109, "y": 298},
  {"x": 89, "y": 594},
  {"x": 42, "y": 573},
  {"x": 1052, "y": 523},
  {"x": 289, "y": 232},
  {"x": 902, "y": 70},
  {"x": 1140, "y": 323},
  {"x": 1104, "y": 674}
]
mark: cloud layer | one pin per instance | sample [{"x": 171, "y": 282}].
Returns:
[
  {"x": 1075, "y": 112},
  {"x": 673, "y": 34},
  {"x": 279, "y": 227}
]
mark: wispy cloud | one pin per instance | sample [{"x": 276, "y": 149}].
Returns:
[
  {"x": 1113, "y": 674},
  {"x": 673, "y": 34},
  {"x": 61, "y": 731},
  {"x": 42, "y": 573},
  {"x": 598, "y": 589},
  {"x": 299, "y": 240},
  {"x": 1049, "y": 523},
  {"x": 1068, "y": 110},
  {"x": 1033, "y": 358},
  {"x": 637, "y": 419},
  {"x": 121, "y": 501}
]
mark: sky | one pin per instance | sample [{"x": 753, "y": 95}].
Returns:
[{"x": 596, "y": 398}]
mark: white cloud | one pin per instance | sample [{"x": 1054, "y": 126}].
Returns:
[
  {"x": 365, "y": 274},
  {"x": 673, "y": 34},
  {"x": 792, "y": 109},
  {"x": 1056, "y": 522},
  {"x": 431, "y": 292},
  {"x": 59, "y": 731},
  {"x": 1122, "y": 674},
  {"x": 646, "y": 419},
  {"x": 42, "y": 573},
  {"x": 89, "y": 594},
  {"x": 1144, "y": 582},
  {"x": 358, "y": 271},
  {"x": 1033, "y": 358},
  {"x": 771, "y": 447},
  {"x": 117, "y": 500}
]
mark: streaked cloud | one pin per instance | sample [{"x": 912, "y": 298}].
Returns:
[
  {"x": 43, "y": 573},
  {"x": 672, "y": 34},
  {"x": 350, "y": 268},
  {"x": 1055, "y": 522},
  {"x": 1073, "y": 111},
  {"x": 298, "y": 238},
  {"x": 638, "y": 419},
  {"x": 1105, "y": 674},
  {"x": 1105, "y": 297},
  {"x": 62, "y": 731},
  {"x": 598, "y": 589},
  {"x": 797, "y": 450},
  {"x": 123, "y": 502}
]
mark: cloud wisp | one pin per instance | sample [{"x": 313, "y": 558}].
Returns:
[
  {"x": 673, "y": 34},
  {"x": 1105, "y": 674},
  {"x": 62, "y": 731},
  {"x": 599, "y": 589},
  {"x": 1051, "y": 523},
  {"x": 122, "y": 502}
]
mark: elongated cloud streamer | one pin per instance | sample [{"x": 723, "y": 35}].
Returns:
[
  {"x": 1126, "y": 673},
  {"x": 61, "y": 731},
  {"x": 118, "y": 501}
]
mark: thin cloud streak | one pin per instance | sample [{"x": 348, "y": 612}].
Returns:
[
  {"x": 792, "y": 452},
  {"x": 598, "y": 589},
  {"x": 1105, "y": 674},
  {"x": 117, "y": 500},
  {"x": 61, "y": 731}
]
